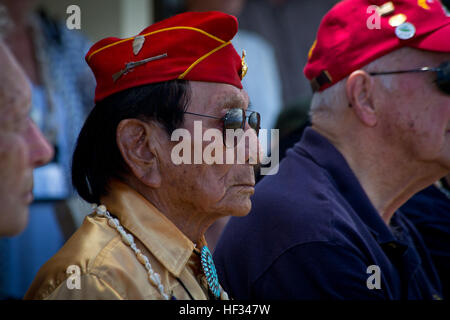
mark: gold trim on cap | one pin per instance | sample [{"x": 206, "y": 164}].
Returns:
[
  {"x": 310, "y": 52},
  {"x": 154, "y": 32},
  {"x": 181, "y": 76}
]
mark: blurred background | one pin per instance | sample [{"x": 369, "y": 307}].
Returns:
[{"x": 276, "y": 34}]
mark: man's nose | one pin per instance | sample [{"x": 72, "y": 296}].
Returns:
[{"x": 41, "y": 152}]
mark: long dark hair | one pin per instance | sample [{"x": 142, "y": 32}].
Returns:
[{"x": 97, "y": 158}]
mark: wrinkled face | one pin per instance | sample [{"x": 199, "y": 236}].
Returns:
[
  {"x": 418, "y": 113},
  {"x": 22, "y": 147},
  {"x": 216, "y": 189}
]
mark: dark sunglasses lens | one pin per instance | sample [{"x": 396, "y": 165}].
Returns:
[
  {"x": 443, "y": 77},
  {"x": 234, "y": 119},
  {"x": 254, "y": 121}
]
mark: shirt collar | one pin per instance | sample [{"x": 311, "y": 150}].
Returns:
[
  {"x": 325, "y": 154},
  {"x": 158, "y": 234}
]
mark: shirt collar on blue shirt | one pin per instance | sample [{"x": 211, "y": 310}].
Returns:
[{"x": 322, "y": 152}]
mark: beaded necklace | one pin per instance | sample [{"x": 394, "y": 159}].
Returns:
[{"x": 154, "y": 278}]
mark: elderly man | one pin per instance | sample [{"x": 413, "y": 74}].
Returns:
[
  {"x": 146, "y": 239},
  {"x": 22, "y": 146},
  {"x": 327, "y": 226}
]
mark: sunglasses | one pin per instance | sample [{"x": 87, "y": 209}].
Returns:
[
  {"x": 235, "y": 118},
  {"x": 442, "y": 80}
]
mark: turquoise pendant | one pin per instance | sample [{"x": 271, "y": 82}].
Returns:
[{"x": 210, "y": 272}]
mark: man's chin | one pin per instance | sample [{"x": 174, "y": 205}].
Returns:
[
  {"x": 243, "y": 209},
  {"x": 17, "y": 223},
  {"x": 237, "y": 202}
]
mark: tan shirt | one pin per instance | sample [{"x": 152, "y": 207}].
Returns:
[{"x": 109, "y": 268}]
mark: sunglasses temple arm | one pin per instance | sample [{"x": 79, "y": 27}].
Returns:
[
  {"x": 202, "y": 115},
  {"x": 425, "y": 69}
]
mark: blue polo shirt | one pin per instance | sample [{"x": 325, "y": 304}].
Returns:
[
  {"x": 313, "y": 233},
  {"x": 429, "y": 211}
]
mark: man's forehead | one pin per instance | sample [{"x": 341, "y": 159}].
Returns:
[
  {"x": 441, "y": 56},
  {"x": 232, "y": 99},
  {"x": 410, "y": 57},
  {"x": 218, "y": 96},
  {"x": 15, "y": 92},
  {"x": 430, "y": 58}
]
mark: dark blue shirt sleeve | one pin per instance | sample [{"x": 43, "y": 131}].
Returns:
[{"x": 318, "y": 270}]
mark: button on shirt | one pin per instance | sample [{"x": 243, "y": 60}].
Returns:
[
  {"x": 109, "y": 268},
  {"x": 313, "y": 233}
]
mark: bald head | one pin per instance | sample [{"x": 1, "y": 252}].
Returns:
[{"x": 22, "y": 146}]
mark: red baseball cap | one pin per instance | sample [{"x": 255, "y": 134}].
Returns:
[
  {"x": 191, "y": 46},
  {"x": 356, "y": 32}
]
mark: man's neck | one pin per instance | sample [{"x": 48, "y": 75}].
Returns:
[
  {"x": 388, "y": 178},
  {"x": 192, "y": 223}
]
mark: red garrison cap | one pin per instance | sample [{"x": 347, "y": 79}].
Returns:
[
  {"x": 356, "y": 32},
  {"x": 191, "y": 46}
]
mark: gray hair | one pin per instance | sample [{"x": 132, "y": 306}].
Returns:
[
  {"x": 328, "y": 102},
  {"x": 333, "y": 100}
]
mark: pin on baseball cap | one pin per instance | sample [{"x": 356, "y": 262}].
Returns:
[{"x": 345, "y": 44}]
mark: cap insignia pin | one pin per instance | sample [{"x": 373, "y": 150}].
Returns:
[
  {"x": 397, "y": 20},
  {"x": 133, "y": 64},
  {"x": 386, "y": 9},
  {"x": 244, "y": 65},
  {"x": 137, "y": 44},
  {"x": 405, "y": 31},
  {"x": 424, "y": 4}
]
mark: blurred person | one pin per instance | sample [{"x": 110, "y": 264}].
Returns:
[
  {"x": 290, "y": 27},
  {"x": 429, "y": 211},
  {"x": 22, "y": 146},
  {"x": 327, "y": 226},
  {"x": 62, "y": 88},
  {"x": 291, "y": 122},
  {"x": 145, "y": 239},
  {"x": 262, "y": 83}
]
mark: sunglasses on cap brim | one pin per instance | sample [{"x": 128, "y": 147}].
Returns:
[{"x": 442, "y": 79}]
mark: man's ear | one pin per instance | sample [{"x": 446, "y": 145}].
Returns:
[
  {"x": 359, "y": 89},
  {"x": 134, "y": 139}
]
